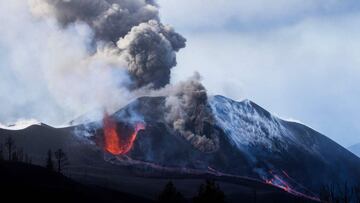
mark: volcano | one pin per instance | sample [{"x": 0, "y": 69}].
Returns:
[{"x": 257, "y": 151}]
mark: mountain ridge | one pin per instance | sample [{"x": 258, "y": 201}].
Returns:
[
  {"x": 252, "y": 143},
  {"x": 355, "y": 149}
]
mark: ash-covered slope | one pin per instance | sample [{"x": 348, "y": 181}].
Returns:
[
  {"x": 286, "y": 148},
  {"x": 252, "y": 143}
]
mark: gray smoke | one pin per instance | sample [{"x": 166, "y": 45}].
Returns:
[
  {"x": 131, "y": 27},
  {"x": 150, "y": 51},
  {"x": 189, "y": 114},
  {"x": 110, "y": 19},
  {"x": 73, "y": 56}
]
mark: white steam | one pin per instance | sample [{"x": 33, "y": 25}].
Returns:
[{"x": 57, "y": 59}]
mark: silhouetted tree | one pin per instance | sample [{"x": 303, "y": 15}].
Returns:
[
  {"x": 336, "y": 193},
  {"x": 10, "y": 145},
  {"x": 209, "y": 192},
  {"x": 325, "y": 193},
  {"x": 61, "y": 159},
  {"x": 170, "y": 194},
  {"x": 20, "y": 155},
  {"x": 356, "y": 190},
  {"x": 49, "y": 161},
  {"x": 1, "y": 152},
  {"x": 14, "y": 157},
  {"x": 26, "y": 159},
  {"x": 346, "y": 193}
]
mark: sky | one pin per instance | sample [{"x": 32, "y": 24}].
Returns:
[{"x": 297, "y": 59}]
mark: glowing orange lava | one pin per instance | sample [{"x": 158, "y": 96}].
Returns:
[
  {"x": 279, "y": 182},
  {"x": 114, "y": 143}
]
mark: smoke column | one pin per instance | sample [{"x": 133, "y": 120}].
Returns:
[
  {"x": 131, "y": 29},
  {"x": 65, "y": 58}
]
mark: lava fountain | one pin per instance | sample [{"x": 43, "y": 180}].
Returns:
[{"x": 115, "y": 143}]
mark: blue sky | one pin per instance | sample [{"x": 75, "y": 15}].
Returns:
[{"x": 298, "y": 59}]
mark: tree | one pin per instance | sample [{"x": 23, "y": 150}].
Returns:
[
  {"x": 15, "y": 157},
  {"x": 209, "y": 192},
  {"x": 1, "y": 152},
  {"x": 357, "y": 193},
  {"x": 344, "y": 193},
  {"x": 49, "y": 161},
  {"x": 61, "y": 159},
  {"x": 20, "y": 155},
  {"x": 27, "y": 159},
  {"x": 170, "y": 194},
  {"x": 10, "y": 145}
]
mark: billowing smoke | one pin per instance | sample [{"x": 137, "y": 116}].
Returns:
[
  {"x": 110, "y": 19},
  {"x": 150, "y": 51},
  {"x": 74, "y": 56},
  {"x": 190, "y": 115},
  {"x": 131, "y": 27}
]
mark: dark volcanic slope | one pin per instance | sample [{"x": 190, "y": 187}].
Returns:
[
  {"x": 91, "y": 166},
  {"x": 253, "y": 143},
  {"x": 19, "y": 181},
  {"x": 309, "y": 157}
]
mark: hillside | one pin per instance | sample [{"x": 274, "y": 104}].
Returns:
[{"x": 257, "y": 152}]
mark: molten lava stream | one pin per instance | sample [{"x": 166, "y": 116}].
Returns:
[{"x": 113, "y": 142}]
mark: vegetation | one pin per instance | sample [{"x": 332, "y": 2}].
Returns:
[
  {"x": 13, "y": 154},
  {"x": 170, "y": 194},
  {"x": 340, "y": 193},
  {"x": 209, "y": 192},
  {"x": 49, "y": 161},
  {"x": 10, "y": 145},
  {"x": 61, "y": 160}
]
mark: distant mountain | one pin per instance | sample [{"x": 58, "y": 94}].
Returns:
[
  {"x": 355, "y": 149},
  {"x": 257, "y": 151}
]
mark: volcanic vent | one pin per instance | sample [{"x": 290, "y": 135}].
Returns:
[{"x": 119, "y": 137}]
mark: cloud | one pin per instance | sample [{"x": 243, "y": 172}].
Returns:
[
  {"x": 20, "y": 124},
  {"x": 248, "y": 14}
]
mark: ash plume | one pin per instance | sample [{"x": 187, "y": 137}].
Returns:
[
  {"x": 131, "y": 27},
  {"x": 110, "y": 19},
  {"x": 150, "y": 50},
  {"x": 189, "y": 114},
  {"x": 74, "y": 56}
]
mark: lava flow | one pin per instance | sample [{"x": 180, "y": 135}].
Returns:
[
  {"x": 115, "y": 143},
  {"x": 279, "y": 182}
]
